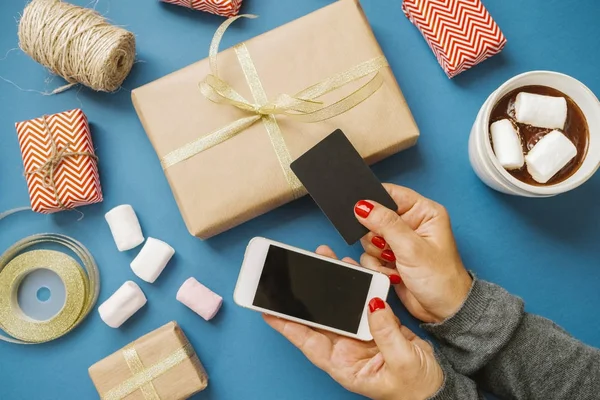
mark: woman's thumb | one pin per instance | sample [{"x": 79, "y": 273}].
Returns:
[{"x": 385, "y": 329}]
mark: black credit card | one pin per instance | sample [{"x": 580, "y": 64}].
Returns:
[{"x": 337, "y": 178}]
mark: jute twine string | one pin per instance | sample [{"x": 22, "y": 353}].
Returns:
[
  {"x": 48, "y": 169},
  {"x": 77, "y": 44}
]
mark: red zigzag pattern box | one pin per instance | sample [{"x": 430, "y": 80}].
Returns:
[
  {"x": 60, "y": 162},
  {"x": 226, "y": 8},
  {"x": 461, "y": 33}
]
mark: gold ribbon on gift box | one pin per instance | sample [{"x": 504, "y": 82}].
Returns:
[
  {"x": 143, "y": 376},
  {"x": 303, "y": 107}
]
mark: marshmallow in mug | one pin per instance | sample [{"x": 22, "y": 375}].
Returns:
[
  {"x": 582, "y": 128},
  {"x": 551, "y": 154},
  {"x": 152, "y": 259},
  {"x": 125, "y": 227},
  {"x": 507, "y": 144},
  {"x": 119, "y": 307},
  {"x": 541, "y": 111}
]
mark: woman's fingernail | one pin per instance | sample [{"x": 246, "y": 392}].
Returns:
[
  {"x": 376, "y": 304},
  {"x": 378, "y": 241},
  {"x": 363, "y": 208},
  {"x": 395, "y": 279},
  {"x": 388, "y": 255}
]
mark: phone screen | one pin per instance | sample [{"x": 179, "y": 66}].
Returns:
[{"x": 312, "y": 289}]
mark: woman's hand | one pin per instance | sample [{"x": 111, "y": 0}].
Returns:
[
  {"x": 397, "y": 365},
  {"x": 415, "y": 240}
]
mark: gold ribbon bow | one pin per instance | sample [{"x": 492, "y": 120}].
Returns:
[
  {"x": 143, "y": 376},
  {"x": 303, "y": 107},
  {"x": 48, "y": 169}
]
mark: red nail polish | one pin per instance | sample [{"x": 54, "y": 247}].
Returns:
[
  {"x": 378, "y": 241},
  {"x": 388, "y": 255},
  {"x": 395, "y": 279},
  {"x": 376, "y": 304},
  {"x": 363, "y": 208}
]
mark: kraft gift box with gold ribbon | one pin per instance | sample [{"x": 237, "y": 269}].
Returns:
[
  {"x": 161, "y": 365},
  {"x": 226, "y": 128}
]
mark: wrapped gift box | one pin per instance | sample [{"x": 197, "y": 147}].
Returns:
[
  {"x": 60, "y": 163},
  {"x": 160, "y": 365},
  {"x": 461, "y": 33},
  {"x": 226, "y": 8},
  {"x": 242, "y": 178}
]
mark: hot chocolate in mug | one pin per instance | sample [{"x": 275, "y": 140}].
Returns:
[{"x": 481, "y": 152}]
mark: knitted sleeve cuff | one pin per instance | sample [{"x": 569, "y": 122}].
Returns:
[
  {"x": 455, "y": 386},
  {"x": 483, "y": 326}
]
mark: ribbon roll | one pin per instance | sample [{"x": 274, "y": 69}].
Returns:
[{"x": 81, "y": 281}]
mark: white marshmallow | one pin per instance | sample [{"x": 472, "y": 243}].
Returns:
[
  {"x": 119, "y": 307},
  {"x": 549, "y": 156},
  {"x": 125, "y": 227},
  {"x": 541, "y": 111},
  {"x": 507, "y": 144},
  {"x": 152, "y": 259}
]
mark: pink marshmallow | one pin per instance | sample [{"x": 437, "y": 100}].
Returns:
[{"x": 199, "y": 298}]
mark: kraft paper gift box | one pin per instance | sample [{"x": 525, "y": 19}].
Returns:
[
  {"x": 60, "y": 163},
  {"x": 160, "y": 365},
  {"x": 242, "y": 177}
]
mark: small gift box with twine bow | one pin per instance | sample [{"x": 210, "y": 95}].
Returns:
[
  {"x": 60, "y": 163},
  {"x": 225, "y": 8},
  {"x": 244, "y": 114},
  {"x": 161, "y": 365}
]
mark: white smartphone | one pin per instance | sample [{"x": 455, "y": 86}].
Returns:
[{"x": 307, "y": 288}]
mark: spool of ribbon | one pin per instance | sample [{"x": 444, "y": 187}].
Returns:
[
  {"x": 81, "y": 281},
  {"x": 303, "y": 107}
]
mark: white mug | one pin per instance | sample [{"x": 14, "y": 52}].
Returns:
[{"x": 484, "y": 161}]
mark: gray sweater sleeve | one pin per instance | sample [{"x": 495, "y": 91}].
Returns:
[
  {"x": 513, "y": 354},
  {"x": 455, "y": 386}
]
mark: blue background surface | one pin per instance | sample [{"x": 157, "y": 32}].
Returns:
[{"x": 547, "y": 251}]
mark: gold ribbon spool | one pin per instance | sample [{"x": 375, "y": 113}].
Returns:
[
  {"x": 82, "y": 287},
  {"x": 14, "y": 322}
]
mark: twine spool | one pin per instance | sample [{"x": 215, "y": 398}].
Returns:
[{"x": 77, "y": 44}]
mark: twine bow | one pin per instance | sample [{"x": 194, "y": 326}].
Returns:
[
  {"x": 304, "y": 106},
  {"x": 47, "y": 170}
]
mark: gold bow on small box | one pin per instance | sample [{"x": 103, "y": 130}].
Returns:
[{"x": 303, "y": 107}]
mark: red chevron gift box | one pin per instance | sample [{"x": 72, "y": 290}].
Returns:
[
  {"x": 226, "y": 8},
  {"x": 60, "y": 163},
  {"x": 461, "y": 33}
]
